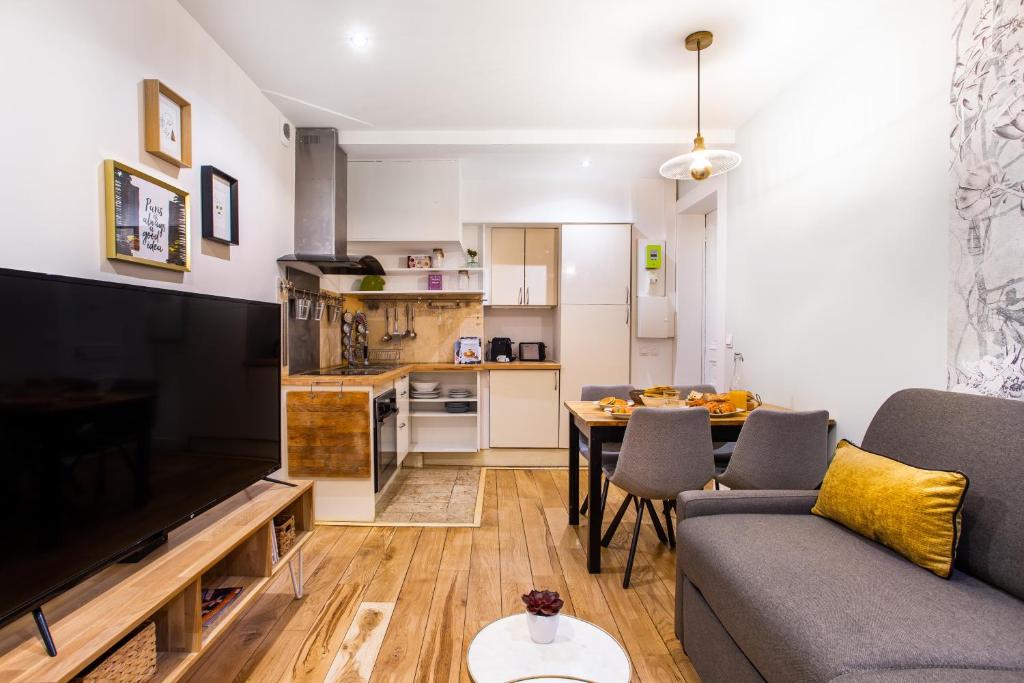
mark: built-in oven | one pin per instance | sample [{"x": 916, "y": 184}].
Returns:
[{"x": 385, "y": 442}]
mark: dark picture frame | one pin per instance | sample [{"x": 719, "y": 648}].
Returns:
[{"x": 219, "y": 193}]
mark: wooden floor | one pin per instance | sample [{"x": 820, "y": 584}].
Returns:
[{"x": 403, "y": 604}]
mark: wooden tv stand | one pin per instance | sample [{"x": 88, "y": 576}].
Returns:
[{"x": 229, "y": 544}]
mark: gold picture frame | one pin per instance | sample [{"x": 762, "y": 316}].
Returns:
[
  {"x": 168, "y": 123},
  {"x": 147, "y": 219}
]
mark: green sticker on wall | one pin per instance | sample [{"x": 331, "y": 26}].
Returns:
[{"x": 653, "y": 256}]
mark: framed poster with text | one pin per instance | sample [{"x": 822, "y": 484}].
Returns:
[{"x": 147, "y": 219}]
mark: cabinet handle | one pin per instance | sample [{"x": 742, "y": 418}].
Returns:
[
  {"x": 527, "y": 296},
  {"x": 627, "y": 315},
  {"x": 627, "y": 295},
  {"x": 520, "y": 296},
  {"x": 556, "y": 380}
]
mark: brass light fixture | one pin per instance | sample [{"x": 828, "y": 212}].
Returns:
[{"x": 700, "y": 163}]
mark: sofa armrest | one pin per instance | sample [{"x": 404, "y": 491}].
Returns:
[{"x": 703, "y": 503}]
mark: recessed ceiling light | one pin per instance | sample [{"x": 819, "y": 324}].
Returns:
[
  {"x": 360, "y": 40},
  {"x": 585, "y": 163}
]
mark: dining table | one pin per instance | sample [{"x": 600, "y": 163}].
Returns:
[{"x": 589, "y": 419}]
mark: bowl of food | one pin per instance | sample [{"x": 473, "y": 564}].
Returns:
[
  {"x": 660, "y": 396},
  {"x": 620, "y": 412},
  {"x": 424, "y": 387},
  {"x": 612, "y": 402}
]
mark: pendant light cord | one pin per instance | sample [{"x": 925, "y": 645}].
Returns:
[{"x": 698, "y": 87}]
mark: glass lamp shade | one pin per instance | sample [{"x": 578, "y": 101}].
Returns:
[{"x": 700, "y": 163}]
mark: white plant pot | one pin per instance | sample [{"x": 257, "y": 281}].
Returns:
[{"x": 542, "y": 629}]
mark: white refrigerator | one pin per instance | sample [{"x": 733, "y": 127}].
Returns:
[{"x": 594, "y": 310}]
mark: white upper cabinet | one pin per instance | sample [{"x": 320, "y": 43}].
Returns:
[
  {"x": 507, "y": 263},
  {"x": 524, "y": 267},
  {"x": 541, "y": 267},
  {"x": 596, "y": 264},
  {"x": 404, "y": 201}
]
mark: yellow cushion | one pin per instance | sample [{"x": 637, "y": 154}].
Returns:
[{"x": 912, "y": 511}]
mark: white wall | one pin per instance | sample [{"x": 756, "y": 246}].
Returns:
[
  {"x": 72, "y": 80},
  {"x": 837, "y": 230},
  {"x": 533, "y": 193}
]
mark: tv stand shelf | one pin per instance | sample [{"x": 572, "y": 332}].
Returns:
[{"x": 229, "y": 545}]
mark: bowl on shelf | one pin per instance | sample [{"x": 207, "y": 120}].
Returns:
[{"x": 424, "y": 387}]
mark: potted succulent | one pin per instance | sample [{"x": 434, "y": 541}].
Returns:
[{"x": 542, "y": 608}]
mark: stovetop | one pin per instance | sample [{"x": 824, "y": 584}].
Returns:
[{"x": 355, "y": 370}]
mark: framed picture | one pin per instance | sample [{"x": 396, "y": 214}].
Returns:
[
  {"x": 147, "y": 219},
  {"x": 168, "y": 123},
  {"x": 220, "y": 206}
]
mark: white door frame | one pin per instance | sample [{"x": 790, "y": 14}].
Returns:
[{"x": 697, "y": 201}]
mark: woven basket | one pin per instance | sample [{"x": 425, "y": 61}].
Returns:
[
  {"x": 133, "y": 661},
  {"x": 284, "y": 528}
]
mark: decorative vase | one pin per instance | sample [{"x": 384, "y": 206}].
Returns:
[{"x": 542, "y": 629}]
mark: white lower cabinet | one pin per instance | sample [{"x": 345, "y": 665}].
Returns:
[
  {"x": 402, "y": 431},
  {"x": 524, "y": 409}
]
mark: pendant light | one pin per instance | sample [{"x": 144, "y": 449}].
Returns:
[{"x": 700, "y": 163}]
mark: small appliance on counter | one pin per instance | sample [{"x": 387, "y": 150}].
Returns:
[
  {"x": 501, "y": 350},
  {"x": 468, "y": 351},
  {"x": 531, "y": 351}
]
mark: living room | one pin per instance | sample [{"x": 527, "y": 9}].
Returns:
[{"x": 512, "y": 341}]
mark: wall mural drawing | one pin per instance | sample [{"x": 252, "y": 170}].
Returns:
[{"x": 986, "y": 308}]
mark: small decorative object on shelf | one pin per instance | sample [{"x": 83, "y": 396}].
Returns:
[
  {"x": 133, "y": 660},
  {"x": 434, "y": 282},
  {"x": 438, "y": 260},
  {"x": 418, "y": 261},
  {"x": 471, "y": 262},
  {"x": 372, "y": 283},
  {"x": 463, "y": 279},
  {"x": 284, "y": 531},
  {"x": 542, "y": 608}
]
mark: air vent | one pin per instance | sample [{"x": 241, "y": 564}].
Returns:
[{"x": 309, "y": 140}]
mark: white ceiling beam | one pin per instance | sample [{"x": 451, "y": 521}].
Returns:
[{"x": 532, "y": 137}]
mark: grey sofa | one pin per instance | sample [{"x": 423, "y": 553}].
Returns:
[{"x": 767, "y": 591}]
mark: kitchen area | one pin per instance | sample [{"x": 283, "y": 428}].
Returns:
[{"x": 414, "y": 340}]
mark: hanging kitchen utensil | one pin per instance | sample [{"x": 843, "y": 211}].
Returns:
[
  {"x": 407, "y": 332},
  {"x": 387, "y": 324},
  {"x": 395, "y": 333},
  {"x": 412, "y": 323}
]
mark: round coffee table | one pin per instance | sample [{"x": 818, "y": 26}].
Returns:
[{"x": 503, "y": 652}]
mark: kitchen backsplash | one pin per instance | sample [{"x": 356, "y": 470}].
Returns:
[{"x": 437, "y": 327}]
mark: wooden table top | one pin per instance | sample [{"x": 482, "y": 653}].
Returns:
[{"x": 594, "y": 416}]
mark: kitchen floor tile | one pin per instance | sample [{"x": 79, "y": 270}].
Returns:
[{"x": 432, "y": 495}]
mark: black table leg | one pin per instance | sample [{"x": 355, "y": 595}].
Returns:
[
  {"x": 596, "y": 509},
  {"x": 574, "y": 472}
]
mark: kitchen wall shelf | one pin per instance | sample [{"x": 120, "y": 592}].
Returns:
[
  {"x": 469, "y": 399},
  {"x": 419, "y": 271},
  {"x": 424, "y": 293}
]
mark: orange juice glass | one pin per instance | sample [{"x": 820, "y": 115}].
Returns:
[{"x": 738, "y": 398}]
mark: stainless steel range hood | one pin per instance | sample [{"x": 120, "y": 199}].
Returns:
[{"x": 321, "y": 222}]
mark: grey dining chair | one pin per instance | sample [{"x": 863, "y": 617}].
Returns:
[
  {"x": 665, "y": 451},
  {"x": 779, "y": 449},
  {"x": 609, "y": 451},
  {"x": 723, "y": 449}
]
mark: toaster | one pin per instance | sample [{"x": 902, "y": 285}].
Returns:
[{"x": 531, "y": 351}]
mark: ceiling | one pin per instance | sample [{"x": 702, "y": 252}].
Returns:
[{"x": 442, "y": 74}]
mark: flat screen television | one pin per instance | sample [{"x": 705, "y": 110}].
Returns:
[{"x": 124, "y": 411}]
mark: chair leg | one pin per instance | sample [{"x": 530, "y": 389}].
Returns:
[
  {"x": 657, "y": 522},
  {"x": 667, "y": 507},
  {"x": 608, "y": 535},
  {"x": 717, "y": 487},
  {"x": 632, "y": 546},
  {"x": 586, "y": 504}
]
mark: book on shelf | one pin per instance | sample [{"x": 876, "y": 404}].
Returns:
[{"x": 215, "y": 600}]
